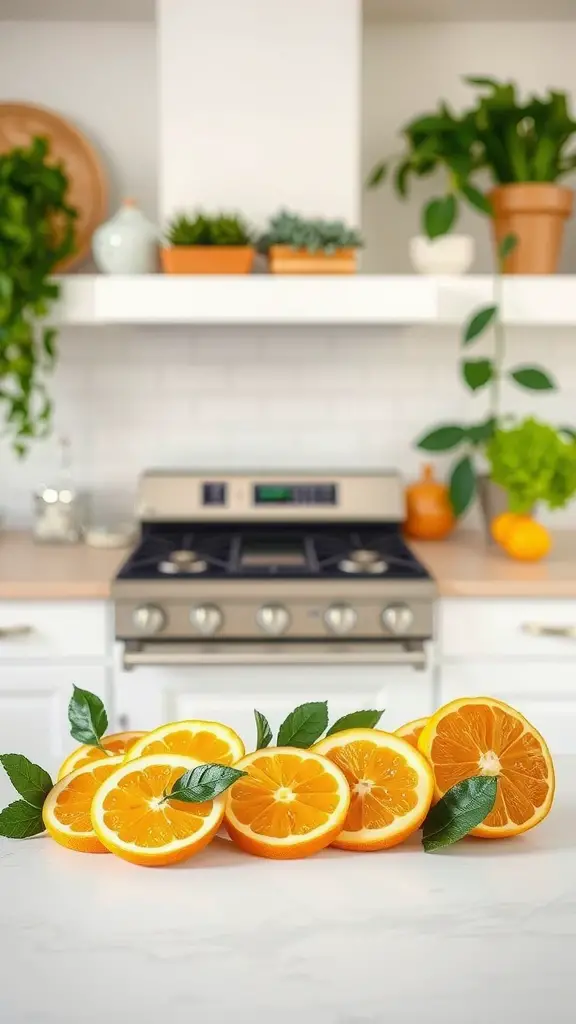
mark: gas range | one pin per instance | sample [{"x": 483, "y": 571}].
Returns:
[{"x": 287, "y": 566}]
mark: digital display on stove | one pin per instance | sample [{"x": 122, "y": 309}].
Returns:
[
  {"x": 214, "y": 494},
  {"x": 295, "y": 494}
]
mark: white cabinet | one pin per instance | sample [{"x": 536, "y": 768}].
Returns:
[{"x": 484, "y": 650}]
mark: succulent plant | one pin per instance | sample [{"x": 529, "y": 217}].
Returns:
[
  {"x": 317, "y": 235},
  {"x": 221, "y": 229}
]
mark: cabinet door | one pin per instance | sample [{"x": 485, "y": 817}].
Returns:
[
  {"x": 34, "y": 714},
  {"x": 149, "y": 697},
  {"x": 545, "y": 692}
]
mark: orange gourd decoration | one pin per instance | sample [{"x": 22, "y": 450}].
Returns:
[{"x": 429, "y": 512}]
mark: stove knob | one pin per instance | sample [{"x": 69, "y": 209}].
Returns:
[
  {"x": 397, "y": 618},
  {"x": 149, "y": 619},
  {"x": 273, "y": 619},
  {"x": 207, "y": 619},
  {"x": 340, "y": 619}
]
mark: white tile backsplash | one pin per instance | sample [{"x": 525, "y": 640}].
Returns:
[{"x": 210, "y": 398}]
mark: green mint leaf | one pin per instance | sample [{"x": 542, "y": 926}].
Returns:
[
  {"x": 439, "y": 216},
  {"x": 477, "y": 373},
  {"x": 263, "y": 731},
  {"x": 533, "y": 378},
  {"x": 205, "y": 782},
  {"x": 507, "y": 246},
  {"x": 479, "y": 323},
  {"x": 477, "y": 199},
  {"x": 28, "y": 779},
  {"x": 442, "y": 439},
  {"x": 356, "y": 720},
  {"x": 20, "y": 821},
  {"x": 461, "y": 809},
  {"x": 462, "y": 485},
  {"x": 304, "y": 725},
  {"x": 87, "y": 717}
]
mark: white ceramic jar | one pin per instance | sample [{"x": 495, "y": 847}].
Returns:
[
  {"x": 449, "y": 254},
  {"x": 126, "y": 244}
]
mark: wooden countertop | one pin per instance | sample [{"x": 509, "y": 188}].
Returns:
[
  {"x": 463, "y": 566},
  {"x": 466, "y": 566},
  {"x": 53, "y": 571}
]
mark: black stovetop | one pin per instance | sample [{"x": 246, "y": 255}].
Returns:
[{"x": 272, "y": 551}]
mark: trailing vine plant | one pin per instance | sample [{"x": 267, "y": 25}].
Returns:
[{"x": 36, "y": 234}]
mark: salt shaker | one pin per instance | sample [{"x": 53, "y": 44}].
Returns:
[{"x": 60, "y": 509}]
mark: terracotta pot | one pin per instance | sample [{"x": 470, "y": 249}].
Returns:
[
  {"x": 282, "y": 259},
  {"x": 535, "y": 213},
  {"x": 207, "y": 259}
]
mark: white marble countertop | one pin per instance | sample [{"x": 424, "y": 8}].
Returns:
[{"x": 483, "y": 932}]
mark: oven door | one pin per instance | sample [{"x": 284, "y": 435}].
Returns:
[{"x": 214, "y": 681}]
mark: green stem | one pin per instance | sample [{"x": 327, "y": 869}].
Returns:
[{"x": 499, "y": 345}]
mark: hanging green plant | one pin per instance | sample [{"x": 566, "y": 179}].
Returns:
[{"x": 36, "y": 234}]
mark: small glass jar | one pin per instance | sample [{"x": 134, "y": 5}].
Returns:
[{"x": 60, "y": 515}]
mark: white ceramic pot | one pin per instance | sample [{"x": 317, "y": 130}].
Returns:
[
  {"x": 450, "y": 254},
  {"x": 126, "y": 244}
]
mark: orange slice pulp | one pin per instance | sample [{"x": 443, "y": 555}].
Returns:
[
  {"x": 207, "y": 742},
  {"x": 116, "y": 743},
  {"x": 66, "y": 810},
  {"x": 411, "y": 731}
]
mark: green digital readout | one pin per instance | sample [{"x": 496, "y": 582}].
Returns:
[
  {"x": 295, "y": 494},
  {"x": 272, "y": 493}
]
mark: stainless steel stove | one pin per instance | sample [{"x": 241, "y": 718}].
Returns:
[{"x": 272, "y": 567}]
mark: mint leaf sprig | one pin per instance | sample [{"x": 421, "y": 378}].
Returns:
[
  {"x": 87, "y": 717},
  {"x": 307, "y": 722},
  {"x": 461, "y": 809},
  {"x": 205, "y": 782},
  {"x": 23, "y": 818}
]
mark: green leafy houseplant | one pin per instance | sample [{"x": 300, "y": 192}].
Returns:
[
  {"x": 312, "y": 235},
  {"x": 36, "y": 234},
  {"x": 510, "y": 139},
  {"x": 534, "y": 463},
  {"x": 220, "y": 229}
]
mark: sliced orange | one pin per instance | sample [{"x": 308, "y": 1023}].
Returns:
[
  {"x": 66, "y": 810},
  {"x": 411, "y": 731},
  {"x": 116, "y": 743},
  {"x": 131, "y": 819},
  {"x": 207, "y": 742},
  {"x": 292, "y": 803},
  {"x": 391, "y": 785},
  {"x": 482, "y": 736}
]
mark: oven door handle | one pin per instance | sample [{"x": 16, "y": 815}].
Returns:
[{"x": 411, "y": 654}]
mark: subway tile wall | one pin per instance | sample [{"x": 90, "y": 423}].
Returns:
[{"x": 217, "y": 398}]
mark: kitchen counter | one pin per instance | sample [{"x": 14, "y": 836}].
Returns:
[
  {"x": 54, "y": 571},
  {"x": 466, "y": 566},
  {"x": 485, "y": 930},
  {"x": 463, "y": 566}
]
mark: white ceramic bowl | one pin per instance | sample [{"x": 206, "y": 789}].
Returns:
[{"x": 450, "y": 254}]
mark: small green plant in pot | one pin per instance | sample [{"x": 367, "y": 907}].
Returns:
[
  {"x": 296, "y": 245},
  {"x": 36, "y": 234},
  {"x": 220, "y": 244}
]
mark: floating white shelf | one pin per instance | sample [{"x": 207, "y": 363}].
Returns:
[{"x": 266, "y": 299}]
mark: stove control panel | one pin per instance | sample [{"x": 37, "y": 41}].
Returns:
[
  {"x": 149, "y": 620},
  {"x": 397, "y": 619},
  {"x": 207, "y": 619},
  {"x": 340, "y": 619},
  {"x": 273, "y": 619}
]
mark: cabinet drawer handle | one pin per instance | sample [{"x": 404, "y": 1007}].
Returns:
[
  {"x": 7, "y": 632},
  {"x": 537, "y": 629}
]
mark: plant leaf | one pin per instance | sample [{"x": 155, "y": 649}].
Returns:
[
  {"x": 507, "y": 246},
  {"x": 478, "y": 433},
  {"x": 377, "y": 175},
  {"x": 205, "y": 782},
  {"x": 304, "y": 725},
  {"x": 28, "y": 779},
  {"x": 533, "y": 378},
  {"x": 569, "y": 431},
  {"x": 263, "y": 731},
  {"x": 87, "y": 717},
  {"x": 439, "y": 216},
  {"x": 477, "y": 373},
  {"x": 461, "y": 809},
  {"x": 442, "y": 439},
  {"x": 21, "y": 820},
  {"x": 356, "y": 720},
  {"x": 478, "y": 323},
  {"x": 477, "y": 199},
  {"x": 462, "y": 485}
]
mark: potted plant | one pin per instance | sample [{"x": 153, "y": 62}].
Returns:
[
  {"x": 219, "y": 244},
  {"x": 524, "y": 146},
  {"x": 36, "y": 234},
  {"x": 296, "y": 245}
]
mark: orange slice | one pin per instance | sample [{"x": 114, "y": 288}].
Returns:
[
  {"x": 482, "y": 736},
  {"x": 411, "y": 731},
  {"x": 390, "y": 782},
  {"x": 207, "y": 742},
  {"x": 116, "y": 743},
  {"x": 132, "y": 821},
  {"x": 66, "y": 810},
  {"x": 292, "y": 803}
]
